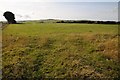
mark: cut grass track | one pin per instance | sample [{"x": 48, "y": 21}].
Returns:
[{"x": 50, "y": 50}]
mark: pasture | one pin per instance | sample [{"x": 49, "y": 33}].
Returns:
[{"x": 60, "y": 50}]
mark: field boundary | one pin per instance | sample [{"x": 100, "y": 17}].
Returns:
[{"x": 3, "y": 25}]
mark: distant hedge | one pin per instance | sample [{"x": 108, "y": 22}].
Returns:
[{"x": 87, "y": 21}]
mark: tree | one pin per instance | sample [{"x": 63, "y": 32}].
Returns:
[{"x": 10, "y": 17}]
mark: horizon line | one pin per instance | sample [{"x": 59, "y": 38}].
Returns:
[{"x": 62, "y": 19}]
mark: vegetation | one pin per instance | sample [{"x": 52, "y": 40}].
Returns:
[
  {"x": 0, "y": 51},
  {"x": 78, "y": 21},
  {"x": 88, "y": 22},
  {"x": 56, "y": 50}
]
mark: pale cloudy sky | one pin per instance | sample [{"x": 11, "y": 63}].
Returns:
[
  {"x": 61, "y": 9},
  {"x": 61, "y": 0}
]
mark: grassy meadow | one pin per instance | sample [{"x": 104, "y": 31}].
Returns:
[{"x": 60, "y": 50}]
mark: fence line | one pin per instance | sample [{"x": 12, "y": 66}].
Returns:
[{"x": 3, "y": 25}]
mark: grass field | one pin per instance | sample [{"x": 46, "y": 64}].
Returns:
[{"x": 56, "y": 50}]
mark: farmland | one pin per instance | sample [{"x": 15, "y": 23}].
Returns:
[{"x": 60, "y": 50}]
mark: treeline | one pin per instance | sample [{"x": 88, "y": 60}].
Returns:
[{"x": 87, "y": 21}]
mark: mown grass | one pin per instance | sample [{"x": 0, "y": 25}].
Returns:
[
  {"x": 50, "y": 50},
  {"x": 34, "y": 29}
]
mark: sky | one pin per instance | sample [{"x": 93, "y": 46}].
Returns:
[
  {"x": 61, "y": 9},
  {"x": 60, "y": 0}
]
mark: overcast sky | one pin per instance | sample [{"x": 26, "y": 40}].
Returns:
[
  {"x": 60, "y": 0},
  {"x": 61, "y": 9}
]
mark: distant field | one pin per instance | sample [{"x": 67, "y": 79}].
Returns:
[
  {"x": 58, "y": 50},
  {"x": 35, "y": 29}
]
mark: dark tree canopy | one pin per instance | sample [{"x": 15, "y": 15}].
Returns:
[{"x": 10, "y": 17}]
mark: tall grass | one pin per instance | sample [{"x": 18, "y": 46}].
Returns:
[{"x": 49, "y": 50}]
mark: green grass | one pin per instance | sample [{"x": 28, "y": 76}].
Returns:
[
  {"x": 34, "y": 29},
  {"x": 50, "y": 50}
]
